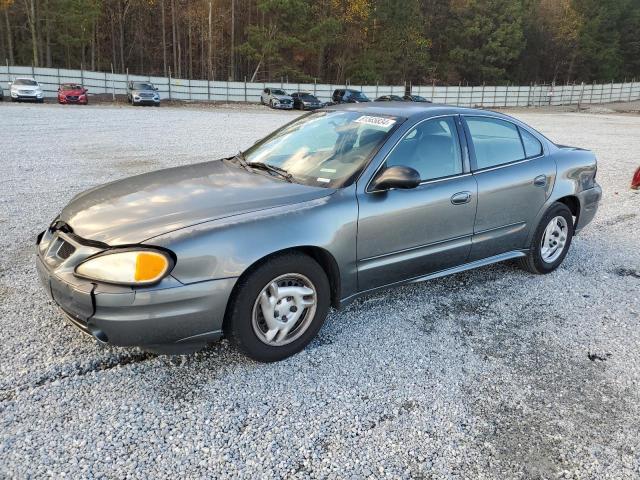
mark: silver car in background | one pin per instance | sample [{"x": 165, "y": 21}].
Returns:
[
  {"x": 337, "y": 204},
  {"x": 276, "y": 98},
  {"x": 22, "y": 89}
]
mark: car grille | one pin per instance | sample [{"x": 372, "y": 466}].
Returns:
[
  {"x": 65, "y": 250},
  {"x": 285, "y": 102},
  {"x": 146, "y": 95},
  {"x": 73, "y": 98},
  {"x": 26, "y": 92}
]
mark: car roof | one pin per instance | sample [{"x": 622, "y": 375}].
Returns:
[
  {"x": 411, "y": 110},
  {"x": 24, "y": 78}
]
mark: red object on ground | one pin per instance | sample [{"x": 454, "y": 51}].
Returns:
[
  {"x": 72, "y": 93},
  {"x": 635, "y": 182}
]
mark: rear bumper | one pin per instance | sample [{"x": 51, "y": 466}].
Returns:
[
  {"x": 175, "y": 318},
  {"x": 589, "y": 202}
]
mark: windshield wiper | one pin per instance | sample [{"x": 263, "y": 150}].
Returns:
[
  {"x": 240, "y": 159},
  {"x": 273, "y": 169}
]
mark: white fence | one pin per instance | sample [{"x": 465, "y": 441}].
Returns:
[{"x": 216, "y": 91}]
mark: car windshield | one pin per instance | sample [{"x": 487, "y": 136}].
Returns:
[
  {"x": 418, "y": 98},
  {"x": 308, "y": 97},
  {"x": 25, "y": 81},
  {"x": 277, "y": 92},
  {"x": 326, "y": 149},
  {"x": 142, "y": 86},
  {"x": 71, "y": 87}
]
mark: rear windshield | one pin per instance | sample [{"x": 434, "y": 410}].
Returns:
[
  {"x": 357, "y": 95},
  {"x": 71, "y": 87},
  {"x": 24, "y": 81}
]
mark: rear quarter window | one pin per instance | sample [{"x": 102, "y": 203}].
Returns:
[{"x": 532, "y": 146}]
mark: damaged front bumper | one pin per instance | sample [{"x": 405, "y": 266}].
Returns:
[{"x": 170, "y": 317}]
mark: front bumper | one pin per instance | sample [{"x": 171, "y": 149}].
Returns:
[
  {"x": 33, "y": 98},
  {"x": 145, "y": 100},
  {"x": 79, "y": 100},
  {"x": 283, "y": 106},
  {"x": 170, "y": 317}
]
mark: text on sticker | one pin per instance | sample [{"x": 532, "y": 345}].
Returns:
[{"x": 378, "y": 121}]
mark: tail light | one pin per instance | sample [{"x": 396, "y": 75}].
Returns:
[{"x": 635, "y": 181}]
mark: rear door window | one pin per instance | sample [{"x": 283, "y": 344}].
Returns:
[{"x": 496, "y": 142}]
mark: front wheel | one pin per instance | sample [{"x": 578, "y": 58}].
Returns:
[
  {"x": 551, "y": 241},
  {"x": 279, "y": 307}
]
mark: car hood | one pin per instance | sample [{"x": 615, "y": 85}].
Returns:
[
  {"x": 138, "y": 208},
  {"x": 282, "y": 97},
  {"x": 143, "y": 91},
  {"x": 72, "y": 92}
]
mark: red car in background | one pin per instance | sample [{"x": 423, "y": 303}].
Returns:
[{"x": 72, "y": 93}]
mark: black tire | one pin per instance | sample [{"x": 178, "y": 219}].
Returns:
[
  {"x": 40, "y": 100},
  {"x": 14, "y": 99},
  {"x": 534, "y": 262},
  {"x": 239, "y": 318}
]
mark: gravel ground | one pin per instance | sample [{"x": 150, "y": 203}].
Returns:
[{"x": 493, "y": 373}]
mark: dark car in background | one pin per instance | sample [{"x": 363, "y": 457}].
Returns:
[
  {"x": 143, "y": 93},
  {"x": 305, "y": 101},
  {"x": 415, "y": 98},
  {"x": 347, "y": 95},
  {"x": 72, "y": 93},
  {"x": 389, "y": 98}
]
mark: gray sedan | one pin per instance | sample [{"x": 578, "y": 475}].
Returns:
[{"x": 338, "y": 203}]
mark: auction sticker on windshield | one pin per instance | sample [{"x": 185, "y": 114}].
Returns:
[{"x": 377, "y": 121}]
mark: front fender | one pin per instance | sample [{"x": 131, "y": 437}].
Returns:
[{"x": 227, "y": 247}]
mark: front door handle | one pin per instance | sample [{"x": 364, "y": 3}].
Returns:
[
  {"x": 540, "y": 181},
  {"x": 461, "y": 198}
]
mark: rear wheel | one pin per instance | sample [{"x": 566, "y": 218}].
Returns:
[
  {"x": 279, "y": 307},
  {"x": 551, "y": 241}
]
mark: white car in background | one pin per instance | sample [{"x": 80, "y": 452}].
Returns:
[
  {"x": 276, "y": 98},
  {"x": 25, "y": 89}
]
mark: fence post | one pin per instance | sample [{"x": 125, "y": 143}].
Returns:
[
  {"x": 581, "y": 95},
  {"x": 113, "y": 85},
  {"x": 506, "y": 94},
  {"x": 314, "y": 86},
  {"x": 377, "y": 88},
  {"x": 9, "y": 71},
  {"x": 189, "y": 87},
  {"x": 458, "y": 98},
  {"x": 433, "y": 89},
  {"x": 127, "y": 77},
  {"x": 245, "y": 89},
  {"x": 482, "y": 97},
  {"x": 630, "y": 89},
  {"x": 227, "y": 91},
  {"x": 81, "y": 75},
  {"x": 169, "y": 83},
  {"x": 529, "y": 95},
  {"x": 209, "y": 88},
  {"x": 611, "y": 92}
]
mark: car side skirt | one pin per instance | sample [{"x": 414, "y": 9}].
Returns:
[{"x": 442, "y": 273}]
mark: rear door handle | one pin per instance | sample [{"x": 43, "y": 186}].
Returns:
[
  {"x": 540, "y": 181},
  {"x": 461, "y": 198}
]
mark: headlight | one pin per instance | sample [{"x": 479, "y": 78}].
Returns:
[{"x": 129, "y": 267}]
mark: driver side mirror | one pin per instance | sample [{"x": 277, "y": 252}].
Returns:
[{"x": 397, "y": 176}]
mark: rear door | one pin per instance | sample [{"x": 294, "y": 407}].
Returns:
[{"x": 514, "y": 177}]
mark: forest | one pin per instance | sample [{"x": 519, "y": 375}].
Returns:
[{"x": 333, "y": 41}]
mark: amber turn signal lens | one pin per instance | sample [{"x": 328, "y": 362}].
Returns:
[{"x": 150, "y": 266}]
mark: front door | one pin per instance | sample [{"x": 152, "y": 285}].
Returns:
[{"x": 404, "y": 234}]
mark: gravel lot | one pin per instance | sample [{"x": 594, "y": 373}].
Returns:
[{"x": 493, "y": 373}]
